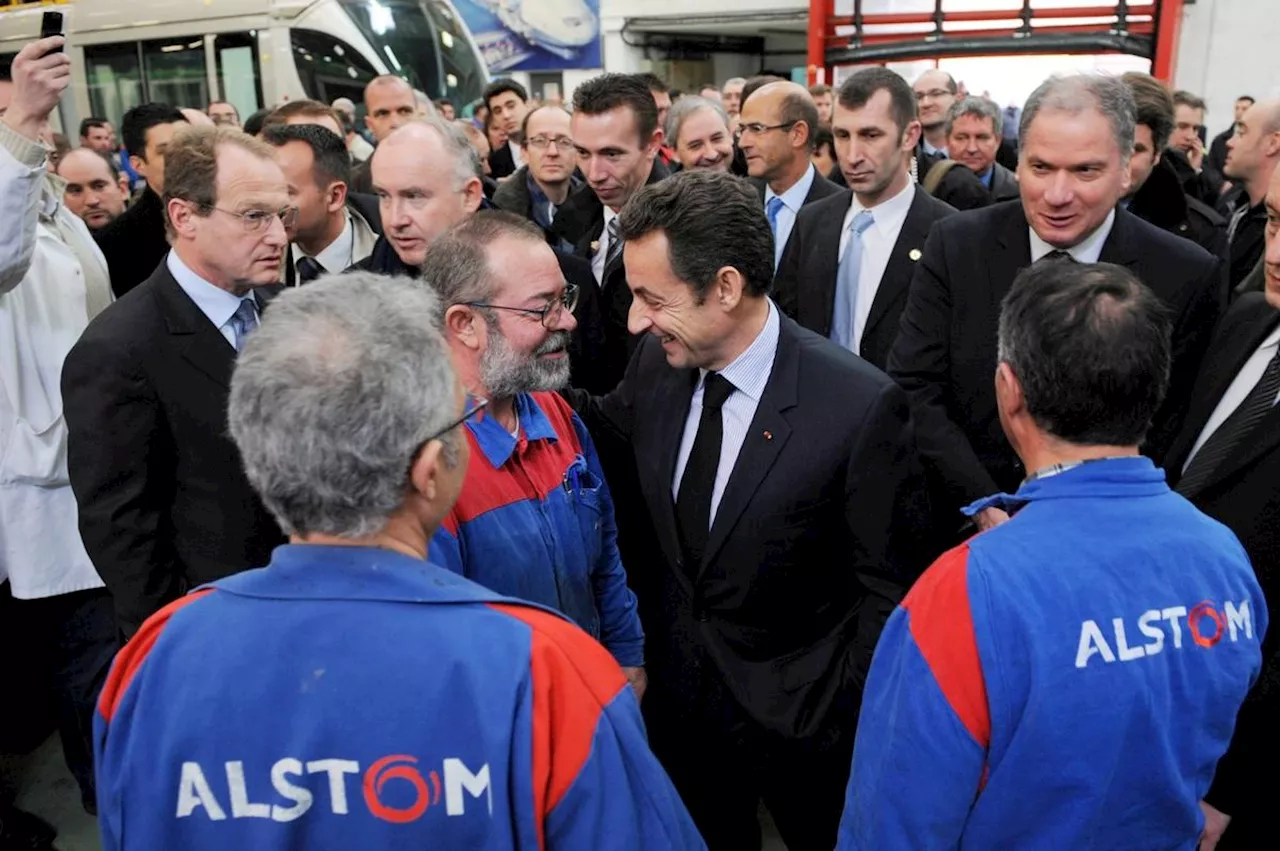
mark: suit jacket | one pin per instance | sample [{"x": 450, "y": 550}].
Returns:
[
  {"x": 580, "y": 222},
  {"x": 945, "y": 354},
  {"x": 135, "y": 243},
  {"x": 1244, "y": 494},
  {"x": 366, "y": 220},
  {"x": 961, "y": 188},
  {"x": 1162, "y": 202},
  {"x": 1004, "y": 186},
  {"x": 814, "y": 539},
  {"x": 805, "y": 286},
  {"x": 501, "y": 163},
  {"x": 163, "y": 499}
]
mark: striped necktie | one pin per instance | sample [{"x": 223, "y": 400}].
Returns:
[{"x": 614, "y": 252}]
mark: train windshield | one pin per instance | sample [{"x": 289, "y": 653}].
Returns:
[{"x": 423, "y": 41}]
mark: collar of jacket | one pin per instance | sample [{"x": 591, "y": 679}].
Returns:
[
  {"x": 1108, "y": 478},
  {"x": 1161, "y": 200}
]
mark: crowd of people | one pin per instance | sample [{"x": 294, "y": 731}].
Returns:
[{"x": 593, "y": 474}]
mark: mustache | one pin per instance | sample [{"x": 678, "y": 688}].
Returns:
[{"x": 557, "y": 341}]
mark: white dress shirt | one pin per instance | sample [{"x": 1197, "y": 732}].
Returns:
[
  {"x": 214, "y": 302},
  {"x": 1246, "y": 379},
  {"x": 517, "y": 154},
  {"x": 878, "y": 241},
  {"x": 792, "y": 201},
  {"x": 1089, "y": 249},
  {"x": 602, "y": 246},
  {"x": 748, "y": 373},
  {"x": 336, "y": 257}
]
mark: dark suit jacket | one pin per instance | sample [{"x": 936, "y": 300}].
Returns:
[
  {"x": 945, "y": 354},
  {"x": 1004, "y": 186},
  {"x": 805, "y": 286},
  {"x": 580, "y": 222},
  {"x": 1162, "y": 202},
  {"x": 135, "y": 243},
  {"x": 814, "y": 538},
  {"x": 501, "y": 163},
  {"x": 163, "y": 499},
  {"x": 961, "y": 188},
  {"x": 1244, "y": 493}
]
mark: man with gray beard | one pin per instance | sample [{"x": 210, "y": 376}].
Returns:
[{"x": 535, "y": 518}]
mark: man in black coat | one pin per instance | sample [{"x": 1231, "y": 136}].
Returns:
[
  {"x": 136, "y": 242},
  {"x": 163, "y": 501},
  {"x": 875, "y": 130},
  {"x": 1227, "y": 462},
  {"x": 780, "y": 476},
  {"x": 1072, "y": 174},
  {"x": 508, "y": 102}
]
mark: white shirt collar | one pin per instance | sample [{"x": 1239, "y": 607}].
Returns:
[
  {"x": 339, "y": 255},
  {"x": 793, "y": 198},
  {"x": 214, "y": 302},
  {"x": 1087, "y": 250},
  {"x": 887, "y": 216},
  {"x": 749, "y": 372}
]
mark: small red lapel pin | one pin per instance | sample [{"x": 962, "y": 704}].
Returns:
[{"x": 768, "y": 435}]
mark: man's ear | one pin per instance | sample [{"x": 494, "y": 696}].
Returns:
[
  {"x": 461, "y": 323},
  {"x": 424, "y": 473},
  {"x": 728, "y": 288}
]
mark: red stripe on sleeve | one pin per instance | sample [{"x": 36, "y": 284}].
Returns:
[
  {"x": 130, "y": 659},
  {"x": 942, "y": 626},
  {"x": 573, "y": 679}
]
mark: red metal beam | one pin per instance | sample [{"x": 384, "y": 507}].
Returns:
[
  {"x": 898, "y": 18},
  {"x": 890, "y": 38},
  {"x": 1168, "y": 29},
  {"x": 818, "y": 34}
]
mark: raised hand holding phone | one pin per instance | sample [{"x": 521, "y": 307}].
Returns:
[{"x": 41, "y": 73}]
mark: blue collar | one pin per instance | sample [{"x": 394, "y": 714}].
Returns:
[
  {"x": 498, "y": 444},
  {"x": 1108, "y": 478},
  {"x": 988, "y": 176},
  {"x": 317, "y": 572}
]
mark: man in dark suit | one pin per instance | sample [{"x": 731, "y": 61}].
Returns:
[
  {"x": 335, "y": 229},
  {"x": 615, "y": 130},
  {"x": 164, "y": 504},
  {"x": 136, "y": 242},
  {"x": 1078, "y": 136},
  {"x": 848, "y": 265},
  {"x": 776, "y": 132},
  {"x": 780, "y": 475},
  {"x": 1227, "y": 462},
  {"x": 508, "y": 102}
]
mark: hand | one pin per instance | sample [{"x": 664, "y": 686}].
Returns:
[
  {"x": 1215, "y": 824},
  {"x": 989, "y": 518},
  {"x": 1195, "y": 156},
  {"x": 39, "y": 79},
  {"x": 639, "y": 680}
]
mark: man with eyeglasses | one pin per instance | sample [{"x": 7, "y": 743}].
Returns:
[
  {"x": 163, "y": 501},
  {"x": 537, "y": 190},
  {"x": 936, "y": 91},
  {"x": 535, "y": 518},
  {"x": 776, "y": 133}
]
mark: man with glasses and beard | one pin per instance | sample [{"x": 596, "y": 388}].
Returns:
[{"x": 535, "y": 518}]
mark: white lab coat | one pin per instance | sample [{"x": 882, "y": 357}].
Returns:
[{"x": 44, "y": 307}]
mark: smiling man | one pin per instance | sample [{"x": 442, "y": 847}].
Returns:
[
  {"x": 1077, "y": 136},
  {"x": 698, "y": 129}
]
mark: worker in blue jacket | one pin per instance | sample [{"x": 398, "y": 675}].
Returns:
[
  {"x": 352, "y": 694},
  {"x": 1069, "y": 678},
  {"x": 535, "y": 518}
]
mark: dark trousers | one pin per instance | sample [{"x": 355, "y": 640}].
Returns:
[
  {"x": 68, "y": 642},
  {"x": 724, "y": 764}
]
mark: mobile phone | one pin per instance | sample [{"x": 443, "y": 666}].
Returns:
[{"x": 51, "y": 25}]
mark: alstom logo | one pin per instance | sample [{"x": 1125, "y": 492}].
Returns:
[
  {"x": 394, "y": 789},
  {"x": 1204, "y": 625}
]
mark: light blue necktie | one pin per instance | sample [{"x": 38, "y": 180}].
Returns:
[
  {"x": 244, "y": 320},
  {"x": 771, "y": 210},
  {"x": 846, "y": 301}
]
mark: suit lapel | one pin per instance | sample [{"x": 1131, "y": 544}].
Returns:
[
  {"x": 901, "y": 267},
  {"x": 1118, "y": 246},
  {"x": 1012, "y": 255},
  {"x": 817, "y": 294},
  {"x": 672, "y": 401},
  {"x": 200, "y": 344},
  {"x": 766, "y": 436}
]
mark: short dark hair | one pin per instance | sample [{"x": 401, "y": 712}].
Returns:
[
  {"x": 443, "y": 102},
  {"x": 1250, "y": 98},
  {"x": 654, "y": 82},
  {"x": 214, "y": 103},
  {"x": 502, "y": 86},
  {"x": 140, "y": 119},
  {"x": 1183, "y": 97},
  {"x": 1155, "y": 106},
  {"x": 253, "y": 124},
  {"x": 823, "y": 138},
  {"x": 819, "y": 89},
  {"x": 711, "y": 220},
  {"x": 1090, "y": 346},
  {"x": 611, "y": 91},
  {"x": 332, "y": 163},
  {"x": 797, "y": 105},
  {"x": 758, "y": 81},
  {"x": 91, "y": 123},
  {"x": 863, "y": 85},
  {"x": 304, "y": 108}
]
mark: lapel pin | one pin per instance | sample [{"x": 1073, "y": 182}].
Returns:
[
  {"x": 768, "y": 435},
  {"x": 914, "y": 254}
]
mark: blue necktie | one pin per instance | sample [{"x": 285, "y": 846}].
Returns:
[
  {"x": 771, "y": 210},
  {"x": 846, "y": 301},
  {"x": 244, "y": 320}
]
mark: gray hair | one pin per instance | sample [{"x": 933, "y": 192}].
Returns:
[
  {"x": 978, "y": 107},
  {"x": 462, "y": 156},
  {"x": 330, "y": 399},
  {"x": 1076, "y": 93},
  {"x": 457, "y": 266},
  {"x": 685, "y": 108},
  {"x": 734, "y": 81}
]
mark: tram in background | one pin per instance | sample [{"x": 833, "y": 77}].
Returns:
[{"x": 252, "y": 53}]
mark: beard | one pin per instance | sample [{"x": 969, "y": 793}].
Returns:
[{"x": 504, "y": 372}]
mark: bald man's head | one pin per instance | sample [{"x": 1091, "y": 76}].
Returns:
[
  {"x": 778, "y": 124},
  {"x": 196, "y": 118},
  {"x": 935, "y": 93},
  {"x": 1254, "y": 150},
  {"x": 389, "y": 103}
]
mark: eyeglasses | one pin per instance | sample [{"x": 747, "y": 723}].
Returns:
[
  {"x": 256, "y": 221},
  {"x": 478, "y": 405},
  {"x": 540, "y": 142},
  {"x": 756, "y": 128},
  {"x": 549, "y": 316},
  {"x": 933, "y": 93}
]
